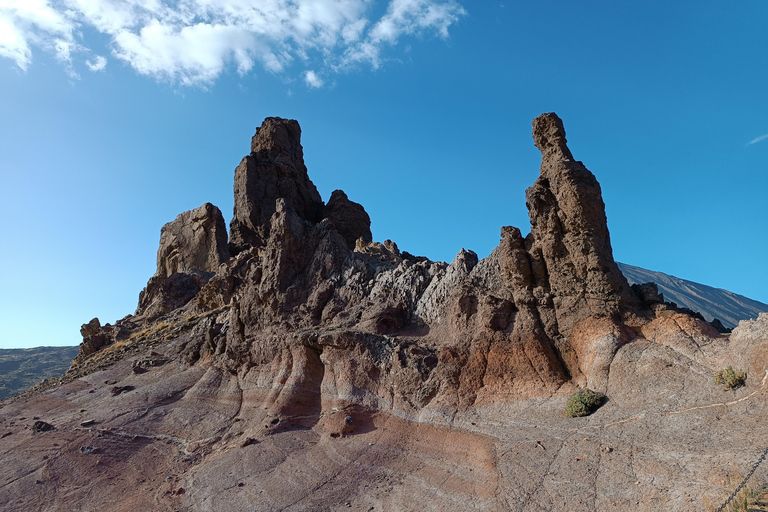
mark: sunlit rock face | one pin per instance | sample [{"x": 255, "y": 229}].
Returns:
[{"x": 301, "y": 365}]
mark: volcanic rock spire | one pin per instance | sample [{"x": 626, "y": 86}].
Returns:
[
  {"x": 274, "y": 169},
  {"x": 572, "y": 269}
]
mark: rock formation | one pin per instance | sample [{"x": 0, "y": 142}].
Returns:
[
  {"x": 196, "y": 240},
  {"x": 317, "y": 369},
  {"x": 349, "y": 218},
  {"x": 274, "y": 169},
  {"x": 191, "y": 249},
  {"x": 569, "y": 240}
]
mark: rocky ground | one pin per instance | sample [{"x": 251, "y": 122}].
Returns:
[{"x": 295, "y": 364}]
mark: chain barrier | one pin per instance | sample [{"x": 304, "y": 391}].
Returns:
[{"x": 744, "y": 482}]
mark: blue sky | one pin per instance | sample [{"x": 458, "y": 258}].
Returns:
[{"x": 115, "y": 116}]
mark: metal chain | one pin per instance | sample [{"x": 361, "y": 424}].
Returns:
[{"x": 744, "y": 482}]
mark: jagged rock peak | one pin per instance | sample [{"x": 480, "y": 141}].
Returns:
[
  {"x": 549, "y": 135},
  {"x": 196, "y": 240},
  {"x": 569, "y": 239},
  {"x": 349, "y": 218},
  {"x": 274, "y": 169},
  {"x": 278, "y": 139}
]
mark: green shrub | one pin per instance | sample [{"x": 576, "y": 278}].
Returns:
[
  {"x": 729, "y": 379},
  {"x": 583, "y": 403}
]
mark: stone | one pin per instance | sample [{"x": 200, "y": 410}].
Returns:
[
  {"x": 274, "y": 169},
  {"x": 196, "y": 240},
  {"x": 349, "y": 218},
  {"x": 42, "y": 426},
  {"x": 165, "y": 294},
  {"x": 93, "y": 338},
  {"x": 191, "y": 249},
  {"x": 117, "y": 390},
  {"x": 569, "y": 237}
]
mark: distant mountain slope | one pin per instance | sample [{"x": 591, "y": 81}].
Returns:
[
  {"x": 24, "y": 367},
  {"x": 728, "y": 307}
]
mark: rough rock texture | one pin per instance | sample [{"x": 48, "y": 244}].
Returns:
[
  {"x": 569, "y": 245},
  {"x": 191, "y": 249},
  {"x": 196, "y": 240},
  {"x": 316, "y": 369},
  {"x": 274, "y": 169},
  {"x": 349, "y": 218}
]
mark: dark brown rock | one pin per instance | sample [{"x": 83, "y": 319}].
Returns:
[
  {"x": 274, "y": 169},
  {"x": 42, "y": 426},
  {"x": 93, "y": 338},
  {"x": 165, "y": 294},
  {"x": 569, "y": 237},
  {"x": 117, "y": 390},
  {"x": 196, "y": 240},
  {"x": 349, "y": 218},
  {"x": 191, "y": 249}
]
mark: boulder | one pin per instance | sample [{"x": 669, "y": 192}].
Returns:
[
  {"x": 191, "y": 249},
  {"x": 95, "y": 337}
]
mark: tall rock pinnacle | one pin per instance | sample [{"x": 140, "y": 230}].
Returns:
[
  {"x": 274, "y": 169},
  {"x": 569, "y": 239}
]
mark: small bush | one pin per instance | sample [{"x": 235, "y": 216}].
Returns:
[
  {"x": 583, "y": 403},
  {"x": 730, "y": 379}
]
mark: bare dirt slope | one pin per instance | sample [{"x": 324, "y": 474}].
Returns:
[{"x": 300, "y": 365}]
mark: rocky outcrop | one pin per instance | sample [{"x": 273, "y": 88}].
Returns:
[
  {"x": 349, "y": 218},
  {"x": 304, "y": 265},
  {"x": 196, "y": 240},
  {"x": 191, "y": 249},
  {"x": 569, "y": 245},
  {"x": 94, "y": 338},
  {"x": 448, "y": 379},
  {"x": 274, "y": 169}
]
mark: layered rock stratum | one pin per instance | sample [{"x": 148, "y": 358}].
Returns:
[{"x": 300, "y": 365}]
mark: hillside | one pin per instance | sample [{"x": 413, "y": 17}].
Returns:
[
  {"x": 22, "y": 368},
  {"x": 728, "y": 307}
]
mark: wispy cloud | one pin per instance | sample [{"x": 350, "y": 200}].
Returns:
[
  {"x": 758, "y": 139},
  {"x": 97, "y": 64},
  {"x": 312, "y": 80},
  {"x": 192, "y": 42}
]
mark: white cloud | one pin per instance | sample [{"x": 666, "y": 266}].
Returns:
[
  {"x": 97, "y": 64},
  {"x": 758, "y": 139},
  {"x": 312, "y": 80},
  {"x": 192, "y": 42},
  {"x": 13, "y": 44},
  {"x": 26, "y": 23}
]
